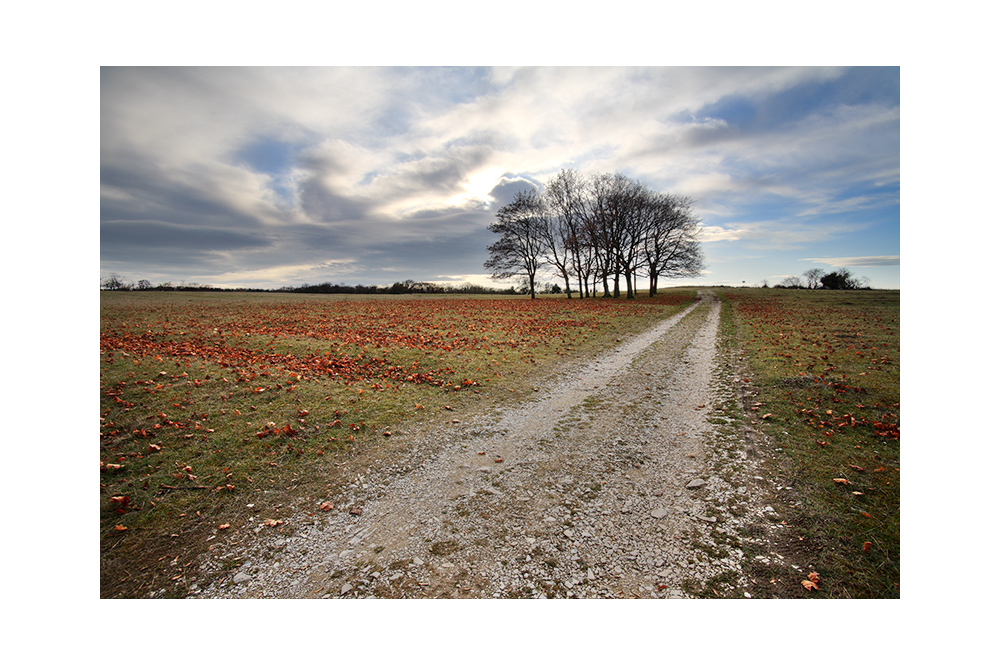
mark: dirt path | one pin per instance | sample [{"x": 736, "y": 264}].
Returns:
[{"x": 627, "y": 478}]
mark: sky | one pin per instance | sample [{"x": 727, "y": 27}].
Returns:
[{"x": 276, "y": 176}]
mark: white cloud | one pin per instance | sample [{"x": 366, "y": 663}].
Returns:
[
  {"x": 713, "y": 234},
  {"x": 285, "y": 274},
  {"x": 887, "y": 260}
]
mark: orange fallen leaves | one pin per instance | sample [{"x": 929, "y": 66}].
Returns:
[
  {"x": 326, "y": 506},
  {"x": 121, "y": 500}
]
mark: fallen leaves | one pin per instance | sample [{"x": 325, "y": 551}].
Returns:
[
  {"x": 812, "y": 582},
  {"x": 121, "y": 500},
  {"x": 224, "y": 526},
  {"x": 326, "y": 506}
]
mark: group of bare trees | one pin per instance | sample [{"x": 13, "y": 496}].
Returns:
[
  {"x": 816, "y": 279},
  {"x": 116, "y": 282},
  {"x": 596, "y": 231}
]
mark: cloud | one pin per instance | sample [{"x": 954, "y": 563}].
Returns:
[
  {"x": 268, "y": 172},
  {"x": 713, "y": 234},
  {"x": 892, "y": 260}
]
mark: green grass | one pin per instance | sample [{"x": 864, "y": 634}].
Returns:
[{"x": 825, "y": 379}]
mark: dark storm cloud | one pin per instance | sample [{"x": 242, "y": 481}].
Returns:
[
  {"x": 162, "y": 242},
  {"x": 153, "y": 194},
  {"x": 322, "y": 204}
]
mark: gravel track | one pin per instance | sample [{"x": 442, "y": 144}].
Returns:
[{"x": 627, "y": 478}]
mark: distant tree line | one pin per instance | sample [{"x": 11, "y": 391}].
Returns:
[
  {"x": 404, "y": 287},
  {"x": 814, "y": 278},
  {"x": 596, "y": 232},
  {"x": 116, "y": 282}
]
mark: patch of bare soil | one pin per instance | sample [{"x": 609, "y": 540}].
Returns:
[{"x": 629, "y": 477}]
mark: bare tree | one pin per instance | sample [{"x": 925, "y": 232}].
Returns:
[
  {"x": 521, "y": 248},
  {"x": 607, "y": 220},
  {"x": 670, "y": 246},
  {"x": 564, "y": 198},
  {"x": 630, "y": 200},
  {"x": 114, "y": 282},
  {"x": 813, "y": 276}
]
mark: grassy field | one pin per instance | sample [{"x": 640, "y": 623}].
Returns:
[
  {"x": 214, "y": 401},
  {"x": 211, "y": 402},
  {"x": 824, "y": 373}
]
